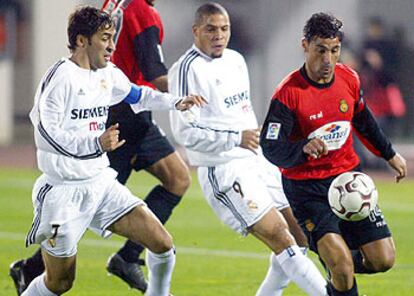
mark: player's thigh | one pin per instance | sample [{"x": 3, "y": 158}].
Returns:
[
  {"x": 63, "y": 212},
  {"x": 172, "y": 172},
  {"x": 142, "y": 226},
  {"x": 294, "y": 227},
  {"x": 371, "y": 229},
  {"x": 236, "y": 193},
  {"x": 273, "y": 230},
  {"x": 380, "y": 254},
  {"x": 335, "y": 253}
]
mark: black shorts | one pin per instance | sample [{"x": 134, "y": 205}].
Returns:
[
  {"x": 309, "y": 202},
  {"x": 145, "y": 143}
]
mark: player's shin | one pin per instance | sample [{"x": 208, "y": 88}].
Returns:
[
  {"x": 275, "y": 281},
  {"x": 302, "y": 271},
  {"x": 38, "y": 288},
  {"x": 161, "y": 267},
  {"x": 351, "y": 292}
]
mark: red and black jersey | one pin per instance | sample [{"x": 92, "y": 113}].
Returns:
[
  {"x": 302, "y": 109},
  {"x": 138, "y": 40}
]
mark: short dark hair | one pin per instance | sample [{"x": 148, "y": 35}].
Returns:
[
  {"x": 323, "y": 25},
  {"x": 86, "y": 21},
  {"x": 208, "y": 9}
]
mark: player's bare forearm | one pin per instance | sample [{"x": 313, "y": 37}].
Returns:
[{"x": 399, "y": 164}]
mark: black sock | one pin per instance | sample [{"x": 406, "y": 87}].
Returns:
[
  {"x": 352, "y": 292},
  {"x": 34, "y": 266},
  {"x": 359, "y": 266},
  {"x": 161, "y": 202}
]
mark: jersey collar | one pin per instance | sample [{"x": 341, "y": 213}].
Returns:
[
  {"x": 313, "y": 83},
  {"x": 203, "y": 54}
]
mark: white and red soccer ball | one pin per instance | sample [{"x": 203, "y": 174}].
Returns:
[{"x": 352, "y": 196}]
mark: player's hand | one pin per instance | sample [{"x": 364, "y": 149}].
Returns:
[
  {"x": 399, "y": 164},
  {"x": 189, "y": 101},
  {"x": 250, "y": 139},
  {"x": 315, "y": 148},
  {"x": 109, "y": 140}
]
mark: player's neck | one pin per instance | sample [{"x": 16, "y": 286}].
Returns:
[
  {"x": 80, "y": 60},
  {"x": 315, "y": 78}
]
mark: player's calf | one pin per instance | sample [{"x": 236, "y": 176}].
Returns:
[
  {"x": 272, "y": 230},
  {"x": 335, "y": 254}
]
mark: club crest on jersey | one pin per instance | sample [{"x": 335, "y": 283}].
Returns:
[
  {"x": 273, "y": 130},
  {"x": 104, "y": 85},
  {"x": 343, "y": 106}
]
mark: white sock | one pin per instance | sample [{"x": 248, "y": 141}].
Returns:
[
  {"x": 160, "y": 267},
  {"x": 275, "y": 281},
  {"x": 302, "y": 271},
  {"x": 38, "y": 288}
]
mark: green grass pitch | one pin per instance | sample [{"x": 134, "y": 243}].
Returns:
[{"x": 211, "y": 259}]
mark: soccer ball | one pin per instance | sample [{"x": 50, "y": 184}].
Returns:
[{"x": 352, "y": 196}]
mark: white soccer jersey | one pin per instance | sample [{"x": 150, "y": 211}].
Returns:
[
  {"x": 212, "y": 134},
  {"x": 69, "y": 114}
]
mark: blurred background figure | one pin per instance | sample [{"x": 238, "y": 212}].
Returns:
[
  {"x": 11, "y": 26},
  {"x": 379, "y": 78}
]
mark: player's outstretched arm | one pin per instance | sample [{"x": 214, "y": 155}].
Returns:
[
  {"x": 109, "y": 140},
  {"x": 399, "y": 164}
]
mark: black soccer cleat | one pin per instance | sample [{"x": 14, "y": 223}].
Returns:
[
  {"x": 17, "y": 274},
  {"x": 131, "y": 273}
]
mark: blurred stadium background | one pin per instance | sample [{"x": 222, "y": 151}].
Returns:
[{"x": 268, "y": 33}]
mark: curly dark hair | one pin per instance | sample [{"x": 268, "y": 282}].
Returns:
[
  {"x": 323, "y": 25},
  {"x": 86, "y": 21}
]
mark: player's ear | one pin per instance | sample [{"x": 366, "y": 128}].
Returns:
[
  {"x": 305, "y": 44},
  {"x": 81, "y": 41},
  {"x": 195, "y": 30}
]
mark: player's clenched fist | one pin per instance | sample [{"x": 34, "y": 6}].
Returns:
[
  {"x": 109, "y": 140},
  {"x": 315, "y": 148},
  {"x": 250, "y": 139}
]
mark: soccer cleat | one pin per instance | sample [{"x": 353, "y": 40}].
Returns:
[
  {"x": 17, "y": 274},
  {"x": 131, "y": 273}
]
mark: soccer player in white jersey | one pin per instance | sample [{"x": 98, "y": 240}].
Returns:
[
  {"x": 78, "y": 189},
  {"x": 222, "y": 140}
]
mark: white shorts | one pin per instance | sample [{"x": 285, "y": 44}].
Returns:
[
  {"x": 63, "y": 212},
  {"x": 243, "y": 190}
]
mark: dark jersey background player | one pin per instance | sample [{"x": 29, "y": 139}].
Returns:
[
  {"x": 308, "y": 133},
  {"x": 138, "y": 54}
]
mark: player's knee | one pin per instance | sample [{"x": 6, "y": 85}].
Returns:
[
  {"x": 342, "y": 267},
  {"x": 383, "y": 264},
  {"x": 163, "y": 243},
  {"x": 178, "y": 182},
  {"x": 61, "y": 285},
  {"x": 183, "y": 182}
]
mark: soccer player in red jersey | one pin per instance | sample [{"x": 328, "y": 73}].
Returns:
[
  {"x": 308, "y": 133},
  {"x": 138, "y": 54}
]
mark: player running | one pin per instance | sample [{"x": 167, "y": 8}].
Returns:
[
  {"x": 78, "y": 190},
  {"x": 308, "y": 133},
  {"x": 222, "y": 140}
]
